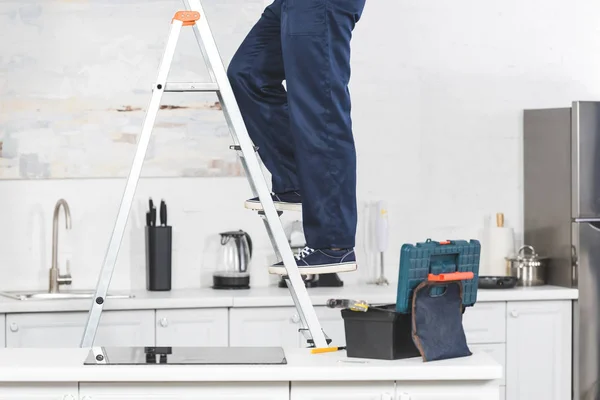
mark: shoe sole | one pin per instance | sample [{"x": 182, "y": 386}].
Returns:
[
  {"x": 321, "y": 269},
  {"x": 279, "y": 206}
]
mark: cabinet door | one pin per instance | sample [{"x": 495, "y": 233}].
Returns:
[
  {"x": 33, "y": 391},
  {"x": 65, "y": 329},
  {"x": 538, "y": 350},
  {"x": 264, "y": 326},
  {"x": 333, "y": 325},
  {"x": 485, "y": 323},
  {"x": 185, "y": 391},
  {"x": 497, "y": 352},
  {"x": 459, "y": 390},
  {"x": 342, "y": 391},
  {"x": 197, "y": 327}
]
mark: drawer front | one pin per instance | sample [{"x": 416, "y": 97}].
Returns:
[
  {"x": 497, "y": 352},
  {"x": 485, "y": 323}
]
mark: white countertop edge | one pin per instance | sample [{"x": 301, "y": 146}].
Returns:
[
  {"x": 528, "y": 294},
  {"x": 290, "y": 374},
  {"x": 25, "y": 365},
  {"x": 264, "y": 297}
]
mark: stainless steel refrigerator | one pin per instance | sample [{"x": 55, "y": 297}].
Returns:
[{"x": 561, "y": 161}]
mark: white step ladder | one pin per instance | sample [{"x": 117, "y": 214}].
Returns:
[{"x": 194, "y": 17}]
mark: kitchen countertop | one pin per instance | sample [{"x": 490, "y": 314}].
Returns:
[
  {"x": 265, "y": 297},
  {"x": 66, "y": 365}
]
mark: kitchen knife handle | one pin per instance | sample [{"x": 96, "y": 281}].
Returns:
[
  {"x": 163, "y": 213},
  {"x": 153, "y": 216}
]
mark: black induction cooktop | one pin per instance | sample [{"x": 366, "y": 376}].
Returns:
[{"x": 186, "y": 356}]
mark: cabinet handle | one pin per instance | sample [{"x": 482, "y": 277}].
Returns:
[
  {"x": 14, "y": 327},
  {"x": 164, "y": 322},
  {"x": 295, "y": 318},
  {"x": 514, "y": 313}
]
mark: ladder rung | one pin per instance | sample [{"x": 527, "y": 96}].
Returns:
[{"x": 191, "y": 87}]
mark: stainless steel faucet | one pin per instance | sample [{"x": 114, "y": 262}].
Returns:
[{"x": 56, "y": 279}]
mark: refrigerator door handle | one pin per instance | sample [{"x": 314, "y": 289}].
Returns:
[{"x": 589, "y": 220}]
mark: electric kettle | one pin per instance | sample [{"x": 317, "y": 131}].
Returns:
[{"x": 233, "y": 261}]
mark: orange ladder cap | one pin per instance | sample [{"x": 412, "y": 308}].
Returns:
[{"x": 187, "y": 17}]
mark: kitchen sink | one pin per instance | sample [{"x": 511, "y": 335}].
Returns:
[{"x": 62, "y": 295}]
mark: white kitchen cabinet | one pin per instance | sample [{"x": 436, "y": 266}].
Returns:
[
  {"x": 192, "y": 327},
  {"x": 498, "y": 353},
  {"x": 485, "y": 323},
  {"x": 278, "y": 326},
  {"x": 32, "y": 391},
  {"x": 447, "y": 391},
  {"x": 342, "y": 391},
  {"x": 190, "y": 391},
  {"x": 264, "y": 326},
  {"x": 437, "y": 391},
  {"x": 538, "y": 350},
  {"x": 65, "y": 329}
]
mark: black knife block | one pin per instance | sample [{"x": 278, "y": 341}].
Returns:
[{"x": 159, "y": 245}]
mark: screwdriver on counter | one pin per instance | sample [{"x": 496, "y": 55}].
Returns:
[
  {"x": 354, "y": 305},
  {"x": 327, "y": 349}
]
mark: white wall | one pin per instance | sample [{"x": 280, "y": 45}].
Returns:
[{"x": 438, "y": 92}]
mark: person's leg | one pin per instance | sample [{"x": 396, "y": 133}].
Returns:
[
  {"x": 316, "y": 38},
  {"x": 256, "y": 74}
]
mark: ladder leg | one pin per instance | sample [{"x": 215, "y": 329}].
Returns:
[
  {"x": 303, "y": 324},
  {"x": 254, "y": 173},
  {"x": 116, "y": 238}
]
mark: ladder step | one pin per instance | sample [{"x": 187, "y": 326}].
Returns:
[
  {"x": 239, "y": 148},
  {"x": 191, "y": 87}
]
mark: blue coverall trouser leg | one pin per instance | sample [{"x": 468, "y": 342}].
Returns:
[{"x": 304, "y": 134}]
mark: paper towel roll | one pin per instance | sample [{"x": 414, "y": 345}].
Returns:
[{"x": 501, "y": 244}]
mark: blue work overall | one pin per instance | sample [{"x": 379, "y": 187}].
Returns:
[{"x": 304, "y": 134}]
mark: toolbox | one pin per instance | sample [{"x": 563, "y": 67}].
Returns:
[
  {"x": 380, "y": 333},
  {"x": 418, "y": 261},
  {"x": 433, "y": 329},
  {"x": 427, "y": 270}
]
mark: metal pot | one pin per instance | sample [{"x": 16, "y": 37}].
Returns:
[{"x": 530, "y": 270}]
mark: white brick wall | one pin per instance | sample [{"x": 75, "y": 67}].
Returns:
[{"x": 438, "y": 91}]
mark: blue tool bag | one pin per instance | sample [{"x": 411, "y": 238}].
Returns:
[{"x": 437, "y": 328}]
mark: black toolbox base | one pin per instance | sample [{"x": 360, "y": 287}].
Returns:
[{"x": 380, "y": 333}]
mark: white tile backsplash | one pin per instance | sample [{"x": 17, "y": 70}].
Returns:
[{"x": 438, "y": 92}]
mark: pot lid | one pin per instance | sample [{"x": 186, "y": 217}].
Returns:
[{"x": 521, "y": 256}]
